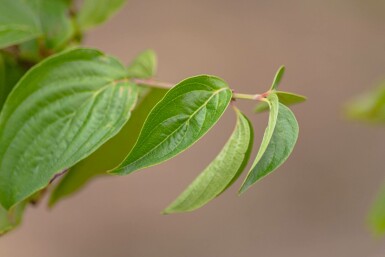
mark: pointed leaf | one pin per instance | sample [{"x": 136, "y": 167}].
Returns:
[
  {"x": 285, "y": 98},
  {"x": 221, "y": 172},
  {"x": 181, "y": 118},
  {"x": 278, "y": 78},
  {"x": 61, "y": 111},
  {"x": 277, "y": 144},
  {"x": 18, "y": 23},
  {"x": 95, "y": 12},
  {"x": 108, "y": 155},
  {"x": 143, "y": 66}
]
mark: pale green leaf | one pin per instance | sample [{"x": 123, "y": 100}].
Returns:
[
  {"x": 221, "y": 172},
  {"x": 285, "y": 98},
  {"x": 143, "y": 66},
  {"x": 18, "y": 23},
  {"x": 12, "y": 218},
  {"x": 60, "y": 112},
  {"x": 278, "y": 78},
  {"x": 181, "y": 118},
  {"x": 369, "y": 107},
  {"x": 95, "y": 12},
  {"x": 108, "y": 155},
  {"x": 277, "y": 144}
]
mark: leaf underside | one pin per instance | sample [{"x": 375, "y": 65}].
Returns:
[{"x": 285, "y": 98}]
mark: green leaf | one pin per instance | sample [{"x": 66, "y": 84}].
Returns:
[
  {"x": 181, "y": 118},
  {"x": 143, "y": 66},
  {"x": 221, "y": 172},
  {"x": 95, "y": 12},
  {"x": 110, "y": 154},
  {"x": 12, "y": 218},
  {"x": 10, "y": 73},
  {"x": 18, "y": 23},
  {"x": 60, "y": 112},
  {"x": 278, "y": 78},
  {"x": 377, "y": 214},
  {"x": 285, "y": 98},
  {"x": 55, "y": 21},
  {"x": 277, "y": 144},
  {"x": 369, "y": 107}
]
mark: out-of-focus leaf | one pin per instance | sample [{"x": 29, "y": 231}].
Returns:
[
  {"x": 12, "y": 218},
  {"x": 95, "y": 12},
  {"x": 285, "y": 98},
  {"x": 110, "y": 154},
  {"x": 182, "y": 117},
  {"x": 277, "y": 144},
  {"x": 221, "y": 172},
  {"x": 61, "y": 111},
  {"x": 18, "y": 23},
  {"x": 144, "y": 65},
  {"x": 377, "y": 214},
  {"x": 369, "y": 107},
  {"x": 10, "y": 73}
]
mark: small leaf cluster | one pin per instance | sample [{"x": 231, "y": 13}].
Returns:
[{"x": 77, "y": 113}]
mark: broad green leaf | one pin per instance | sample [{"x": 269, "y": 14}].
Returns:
[
  {"x": 182, "y": 117},
  {"x": 12, "y": 218},
  {"x": 60, "y": 112},
  {"x": 277, "y": 144},
  {"x": 377, "y": 214},
  {"x": 10, "y": 73},
  {"x": 278, "y": 78},
  {"x": 369, "y": 107},
  {"x": 110, "y": 154},
  {"x": 221, "y": 172},
  {"x": 18, "y": 23},
  {"x": 55, "y": 21},
  {"x": 143, "y": 66},
  {"x": 285, "y": 98},
  {"x": 95, "y": 12}
]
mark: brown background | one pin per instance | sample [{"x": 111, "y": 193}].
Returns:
[{"x": 315, "y": 205}]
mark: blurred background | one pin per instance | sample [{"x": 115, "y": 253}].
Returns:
[{"x": 314, "y": 205}]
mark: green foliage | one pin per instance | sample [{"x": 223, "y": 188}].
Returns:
[
  {"x": 61, "y": 111},
  {"x": 18, "y": 23},
  {"x": 67, "y": 110},
  {"x": 95, "y": 12},
  {"x": 376, "y": 217},
  {"x": 277, "y": 144},
  {"x": 221, "y": 172},
  {"x": 181, "y": 118}
]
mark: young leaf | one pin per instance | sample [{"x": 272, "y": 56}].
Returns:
[
  {"x": 55, "y": 21},
  {"x": 12, "y": 218},
  {"x": 108, "y": 155},
  {"x": 277, "y": 144},
  {"x": 222, "y": 171},
  {"x": 95, "y": 12},
  {"x": 369, "y": 107},
  {"x": 377, "y": 214},
  {"x": 18, "y": 23},
  {"x": 278, "y": 78},
  {"x": 61, "y": 111},
  {"x": 143, "y": 66},
  {"x": 285, "y": 98},
  {"x": 181, "y": 118}
]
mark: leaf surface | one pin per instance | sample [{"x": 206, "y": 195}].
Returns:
[
  {"x": 143, "y": 66},
  {"x": 181, "y": 118},
  {"x": 12, "y": 218},
  {"x": 61, "y": 111},
  {"x": 18, "y": 23},
  {"x": 285, "y": 98},
  {"x": 221, "y": 172},
  {"x": 377, "y": 214},
  {"x": 95, "y": 12},
  {"x": 278, "y": 77},
  {"x": 277, "y": 144}
]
